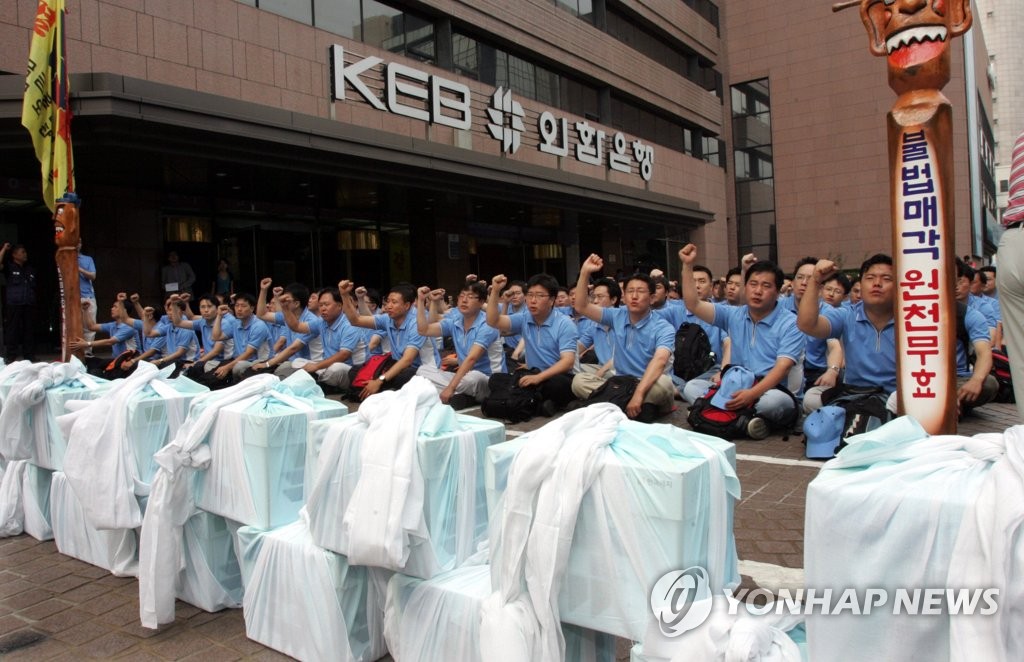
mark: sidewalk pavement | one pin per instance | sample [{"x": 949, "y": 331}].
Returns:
[{"x": 56, "y": 608}]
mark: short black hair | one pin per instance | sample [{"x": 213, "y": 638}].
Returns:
[
  {"x": 563, "y": 288},
  {"x": 843, "y": 281},
  {"x": 964, "y": 270},
  {"x": 299, "y": 292},
  {"x": 988, "y": 269},
  {"x": 373, "y": 295},
  {"x": 404, "y": 290},
  {"x": 245, "y": 296},
  {"x": 331, "y": 292},
  {"x": 647, "y": 280},
  {"x": 766, "y": 266},
  {"x": 702, "y": 268},
  {"x": 614, "y": 291},
  {"x": 547, "y": 281},
  {"x": 475, "y": 287},
  {"x": 982, "y": 276},
  {"x": 207, "y": 297},
  {"x": 804, "y": 260},
  {"x": 877, "y": 258}
]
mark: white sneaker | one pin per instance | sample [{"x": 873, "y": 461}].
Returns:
[{"x": 757, "y": 428}]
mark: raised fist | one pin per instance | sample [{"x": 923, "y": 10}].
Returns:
[
  {"x": 592, "y": 264},
  {"x": 184, "y": 296},
  {"x": 657, "y": 273},
  {"x": 345, "y": 287},
  {"x": 121, "y": 296},
  {"x": 748, "y": 261},
  {"x": 499, "y": 282},
  {"x": 423, "y": 292},
  {"x": 360, "y": 291},
  {"x": 688, "y": 254},
  {"x": 265, "y": 283},
  {"x": 471, "y": 278},
  {"x": 278, "y": 291},
  {"x": 823, "y": 269},
  {"x": 437, "y": 295},
  {"x": 223, "y": 310},
  {"x": 134, "y": 297}
]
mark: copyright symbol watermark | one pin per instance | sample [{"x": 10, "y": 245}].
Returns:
[{"x": 681, "y": 600}]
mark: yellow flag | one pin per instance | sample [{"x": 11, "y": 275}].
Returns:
[{"x": 46, "y": 111}]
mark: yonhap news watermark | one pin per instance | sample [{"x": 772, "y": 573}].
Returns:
[{"x": 681, "y": 601}]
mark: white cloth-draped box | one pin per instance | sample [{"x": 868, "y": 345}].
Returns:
[
  {"x": 885, "y": 514},
  {"x": 438, "y": 620},
  {"x": 259, "y": 458},
  {"x": 798, "y": 635},
  {"x": 308, "y": 602},
  {"x": 114, "y": 550},
  {"x": 25, "y": 500},
  {"x": 647, "y": 513},
  {"x": 41, "y": 440},
  {"x": 154, "y": 415},
  {"x": 211, "y": 578},
  {"x": 449, "y": 449}
]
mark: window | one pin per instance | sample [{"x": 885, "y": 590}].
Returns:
[
  {"x": 297, "y": 10},
  {"x": 754, "y": 176},
  {"x": 342, "y": 17},
  {"x": 374, "y": 23}
]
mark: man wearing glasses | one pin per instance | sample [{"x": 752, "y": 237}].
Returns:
[
  {"x": 823, "y": 359},
  {"x": 477, "y": 346},
  {"x": 550, "y": 339},
  {"x": 643, "y": 345}
]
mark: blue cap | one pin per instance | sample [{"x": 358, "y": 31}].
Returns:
[
  {"x": 824, "y": 430},
  {"x": 735, "y": 379}
]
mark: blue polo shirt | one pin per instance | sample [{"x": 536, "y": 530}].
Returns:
[
  {"x": 85, "y": 288},
  {"x": 367, "y": 336},
  {"x": 206, "y": 340},
  {"x": 255, "y": 334},
  {"x": 405, "y": 336},
  {"x": 977, "y": 329},
  {"x": 123, "y": 333},
  {"x": 479, "y": 334},
  {"x": 816, "y": 351},
  {"x": 635, "y": 344},
  {"x": 676, "y": 316},
  {"x": 600, "y": 336},
  {"x": 158, "y": 343},
  {"x": 984, "y": 306},
  {"x": 870, "y": 354},
  {"x": 338, "y": 335},
  {"x": 545, "y": 342},
  {"x": 512, "y": 339},
  {"x": 310, "y": 346},
  {"x": 756, "y": 346}
]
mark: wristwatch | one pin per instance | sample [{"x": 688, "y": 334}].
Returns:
[
  {"x": 834, "y": 367},
  {"x": 383, "y": 377}
]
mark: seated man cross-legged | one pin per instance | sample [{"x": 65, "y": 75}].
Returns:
[{"x": 643, "y": 344}]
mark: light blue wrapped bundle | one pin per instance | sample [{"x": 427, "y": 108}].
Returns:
[
  {"x": 25, "y": 500},
  {"x": 211, "y": 578},
  {"x": 34, "y": 396},
  {"x": 438, "y": 620},
  {"x": 154, "y": 415},
  {"x": 115, "y": 550},
  {"x": 259, "y": 453},
  {"x": 449, "y": 450},
  {"x": 650, "y": 511},
  {"x": 308, "y": 602},
  {"x": 885, "y": 514}
]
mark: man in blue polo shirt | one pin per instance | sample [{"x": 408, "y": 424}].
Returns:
[
  {"x": 210, "y": 351},
  {"x": 409, "y": 350},
  {"x": 249, "y": 333},
  {"x": 342, "y": 343},
  {"x": 298, "y": 346},
  {"x": 974, "y": 382},
  {"x": 643, "y": 344},
  {"x": 86, "y": 275},
  {"x": 596, "y": 337},
  {"x": 478, "y": 347},
  {"x": 823, "y": 358},
  {"x": 867, "y": 329},
  {"x": 550, "y": 339},
  {"x": 764, "y": 338},
  {"x": 122, "y": 335}
]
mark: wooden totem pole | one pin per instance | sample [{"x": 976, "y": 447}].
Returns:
[
  {"x": 914, "y": 36},
  {"x": 66, "y": 236}
]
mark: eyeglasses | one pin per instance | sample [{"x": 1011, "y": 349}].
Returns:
[
  {"x": 537, "y": 295},
  {"x": 834, "y": 291},
  {"x": 635, "y": 290},
  {"x": 801, "y": 277},
  {"x": 467, "y": 297}
]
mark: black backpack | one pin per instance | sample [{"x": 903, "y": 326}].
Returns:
[
  {"x": 693, "y": 356},
  {"x": 706, "y": 418},
  {"x": 864, "y": 406},
  {"x": 619, "y": 390},
  {"x": 508, "y": 401}
]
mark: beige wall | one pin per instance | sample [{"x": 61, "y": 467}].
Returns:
[{"x": 829, "y": 99}]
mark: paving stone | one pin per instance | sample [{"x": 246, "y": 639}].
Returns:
[
  {"x": 180, "y": 645},
  {"x": 11, "y": 584},
  {"x": 85, "y": 593},
  {"x": 26, "y": 599},
  {"x": 104, "y": 603},
  {"x": 83, "y": 632},
  {"x": 45, "y": 608},
  {"x": 43, "y": 650},
  {"x": 222, "y": 628},
  {"x": 66, "y": 583},
  {"x": 216, "y": 654},
  {"x": 12, "y": 623},
  {"x": 63, "y": 620},
  {"x": 109, "y": 645}
]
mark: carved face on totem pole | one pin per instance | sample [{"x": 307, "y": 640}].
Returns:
[
  {"x": 65, "y": 225},
  {"x": 914, "y": 36}
]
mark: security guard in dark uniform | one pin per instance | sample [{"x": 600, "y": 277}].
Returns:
[{"x": 21, "y": 302}]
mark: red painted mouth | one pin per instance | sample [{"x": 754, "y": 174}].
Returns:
[{"x": 915, "y": 46}]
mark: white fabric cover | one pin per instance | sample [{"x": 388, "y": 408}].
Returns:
[
  {"x": 989, "y": 551},
  {"x": 663, "y": 501},
  {"x": 100, "y": 462},
  {"x": 310, "y": 603},
  {"x": 12, "y": 507},
  {"x": 36, "y": 500},
  {"x": 112, "y": 550},
  {"x": 438, "y": 620},
  {"x": 258, "y": 451},
  {"x": 446, "y": 512},
  {"x": 34, "y": 396},
  {"x": 885, "y": 514},
  {"x": 530, "y": 540},
  {"x": 171, "y": 501},
  {"x": 210, "y": 578}
]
